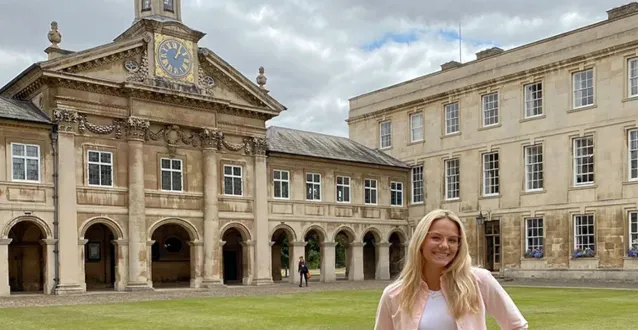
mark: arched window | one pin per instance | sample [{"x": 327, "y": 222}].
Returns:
[
  {"x": 146, "y": 5},
  {"x": 168, "y": 5}
]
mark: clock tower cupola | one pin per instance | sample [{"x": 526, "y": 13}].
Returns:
[{"x": 159, "y": 9}]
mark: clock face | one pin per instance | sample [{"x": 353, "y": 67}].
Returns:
[{"x": 175, "y": 58}]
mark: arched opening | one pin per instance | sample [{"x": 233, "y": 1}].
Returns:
[
  {"x": 100, "y": 258},
  {"x": 369, "y": 256},
  {"x": 233, "y": 257},
  {"x": 27, "y": 258},
  {"x": 282, "y": 265},
  {"x": 171, "y": 256},
  {"x": 343, "y": 254},
  {"x": 397, "y": 251},
  {"x": 313, "y": 253}
]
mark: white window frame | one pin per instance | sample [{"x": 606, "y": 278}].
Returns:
[
  {"x": 576, "y": 157},
  {"x": 490, "y": 102},
  {"x": 100, "y": 164},
  {"x": 496, "y": 188},
  {"x": 589, "y": 86},
  {"x": 388, "y": 133},
  {"x": 416, "y": 173},
  {"x": 534, "y": 164},
  {"x": 632, "y": 230},
  {"x": 578, "y": 225},
  {"x": 312, "y": 184},
  {"x": 171, "y": 170},
  {"x": 537, "y": 224},
  {"x": 373, "y": 189},
  {"x": 280, "y": 182},
  {"x": 632, "y": 77},
  {"x": 452, "y": 179},
  {"x": 343, "y": 187},
  {"x": 233, "y": 176},
  {"x": 416, "y": 127},
  {"x": 533, "y": 99},
  {"x": 632, "y": 154},
  {"x": 396, "y": 192},
  {"x": 452, "y": 124},
  {"x": 25, "y": 158},
  {"x": 169, "y": 6},
  {"x": 148, "y": 6}
]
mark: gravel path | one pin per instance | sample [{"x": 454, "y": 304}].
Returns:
[{"x": 104, "y": 297}]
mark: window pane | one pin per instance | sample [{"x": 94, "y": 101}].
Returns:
[
  {"x": 94, "y": 174},
  {"x": 106, "y": 172},
  {"x": 228, "y": 186},
  {"x": 177, "y": 164},
  {"x": 105, "y": 157},
  {"x": 32, "y": 169},
  {"x": 237, "y": 171},
  {"x": 237, "y": 186},
  {"x": 166, "y": 163},
  {"x": 166, "y": 180},
  {"x": 177, "y": 181},
  {"x": 94, "y": 156},
  {"x": 32, "y": 151},
  {"x": 18, "y": 169},
  {"x": 284, "y": 189},
  {"x": 277, "y": 175}
]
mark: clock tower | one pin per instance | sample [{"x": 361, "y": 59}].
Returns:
[{"x": 159, "y": 9}]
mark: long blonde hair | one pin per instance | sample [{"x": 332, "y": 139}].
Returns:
[{"x": 462, "y": 295}]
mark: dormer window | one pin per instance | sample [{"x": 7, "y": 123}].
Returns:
[
  {"x": 168, "y": 5},
  {"x": 146, "y": 5}
]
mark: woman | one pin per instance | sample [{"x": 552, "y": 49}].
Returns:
[
  {"x": 302, "y": 268},
  {"x": 439, "y": 289}
]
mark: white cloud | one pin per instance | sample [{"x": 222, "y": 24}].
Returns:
[{"x": 312, "y": 50}]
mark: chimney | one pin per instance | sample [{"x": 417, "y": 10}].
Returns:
[
  {"x": 450, "y": 65},
  {"x": 622, "y": 11},
  {"x": 488, "y": 52}
]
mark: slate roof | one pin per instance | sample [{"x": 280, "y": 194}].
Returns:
[
  {"x": 296, "y": 142},
  {"x": 22, "y": 111}
]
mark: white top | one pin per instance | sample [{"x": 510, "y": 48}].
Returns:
[{"x": 435, "y": 314}]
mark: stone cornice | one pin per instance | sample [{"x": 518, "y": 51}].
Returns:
[{"x": 452, "y": 93}]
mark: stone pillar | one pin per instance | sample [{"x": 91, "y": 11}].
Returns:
[
  {"x": 149, "y": 264},
  {"x": 138, "y": 278},
  {"x": 275, "y": 261},
  {"x": 121, "y": 269},
  {"x": 328, "y": 273},
  {"x": 5, "y": 289},
  {"x": 69, "y": 268},
  {"x": 383, "y": 261},
  {"x": 356, "y": 266},
  {"x": 49, "y": 272},
  {"x": 262, "y": 251},
  {"x": 197, "y": 263},
  {"x": 248, "y": 256},
  {"x": 81, "y": 249},
  {"x": 298, "y": 250},
  {"x": 212, "y": 263}
]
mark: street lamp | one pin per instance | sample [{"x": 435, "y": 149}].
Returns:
[{"x": 480, "y": 219}]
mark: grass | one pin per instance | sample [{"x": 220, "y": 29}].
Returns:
[{"x": 544, "y": 308}]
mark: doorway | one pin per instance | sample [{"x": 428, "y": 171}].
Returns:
[{"x": 493, "y": 245}]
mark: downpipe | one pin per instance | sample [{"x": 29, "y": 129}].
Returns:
[{"x": 54, "y": 147}]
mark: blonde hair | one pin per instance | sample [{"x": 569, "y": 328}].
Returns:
[{"x": 462, "y": 296}]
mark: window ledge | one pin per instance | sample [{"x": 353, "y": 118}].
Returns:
[
  {"x": 416, "y": 142},
  {"x": 525, "y": 119},
  {"x": 484, "y": 128},
  {"x": 490, "y": 196},
  {"x": 453, "y": 200},
  {"x": 583, "y": 187},
  {"x": 630, "y": 98},
  {"x": 588, "y": 107},
  {"x": 450, "y": 135},
  {"x": 533, "y": 192},
  {"x": 630, "y": 182}
]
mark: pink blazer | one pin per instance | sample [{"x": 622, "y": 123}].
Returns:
[{"x": 496, "y": 302}]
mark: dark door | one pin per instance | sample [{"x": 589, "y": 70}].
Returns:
[
  {"x": 230, "y": 266},
  {"x": 493, "y": 245}
]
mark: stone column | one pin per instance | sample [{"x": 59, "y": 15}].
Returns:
[
  {"x": 262, "y": 251},
  {"x": 328, "y": 262},
  {"x": 383, "y": 261},
  {"x": 138, "y": 275},
  {"x": 69, "y": 269},
  {"x": 212, "y": 263},
  {"x": 197, "y": 263},
  {"x": 49, "y": 273},
  {"x": 5, "y": 289},
  {"x": 81, "y": 249},
  {"x": 248, "y": 256},
  {"x": 356, "y": 266},
  {"x": 298, "y": 250},
  {"x": 121, "y": 269}
]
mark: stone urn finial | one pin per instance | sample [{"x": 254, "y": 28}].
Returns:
[
  {"x": 54, "y": 35},
  {"x": 261, "y": 79}
]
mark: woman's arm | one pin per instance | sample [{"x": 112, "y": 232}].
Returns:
[
  {"x": 499, "y": 304},
  {"x": 384, "y": 316}
]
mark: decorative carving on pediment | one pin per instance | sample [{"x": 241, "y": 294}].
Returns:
[
  {"x": 142, "y": 72},
  {"x": 260, "y": 146},
  {"x": 211, "y": 138},
  {"x": 222, "y": 77},
  {"x": 65, "y": 119},
  {"x": 137, "y": 128},
  {"x": 108, "y": 59},
  {"x": 117, "y": 127},
  {"x": 172, "y": 135},
  {"x": 131, "y": 66},
  {"x": 206, "y": 82}
]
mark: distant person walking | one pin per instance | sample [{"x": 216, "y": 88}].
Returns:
[{"x": 303, "y": 271}]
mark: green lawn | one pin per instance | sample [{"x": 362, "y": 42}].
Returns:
[{"x": 544, "y": 309}]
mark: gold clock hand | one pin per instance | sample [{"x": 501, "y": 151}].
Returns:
[{"x": 179, "y": 50}]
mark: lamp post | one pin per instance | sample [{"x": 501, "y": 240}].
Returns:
[{"x": 480, "y": 220}]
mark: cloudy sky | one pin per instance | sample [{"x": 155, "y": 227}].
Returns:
[{"x": 317, "y": 54}]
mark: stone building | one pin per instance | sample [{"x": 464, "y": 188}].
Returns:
[
  {"x": 535, "y": 147},
  {"x": 147, "y": 161}
]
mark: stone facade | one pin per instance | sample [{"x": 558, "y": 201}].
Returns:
[
  {"x": 541, "y": 140},
  {"x": 146, "y": 162}
]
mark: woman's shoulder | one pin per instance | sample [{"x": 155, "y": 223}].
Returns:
[
  {"x": 391, "y": 291},
  {"x": 484, "y": 278}
]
